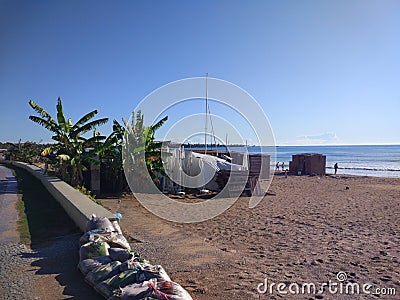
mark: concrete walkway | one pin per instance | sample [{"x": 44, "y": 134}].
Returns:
[{"x": 8, "y": 210}]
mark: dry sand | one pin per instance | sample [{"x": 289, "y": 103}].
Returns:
[{"x": 311, "y": 229}]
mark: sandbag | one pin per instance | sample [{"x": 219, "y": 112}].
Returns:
[
  {"x": 99, "y": 223},
  {"x": 116, "y": 226},
  {"x": 87, "y": 265},
  {"x": 153, "y": 289},
  {"x": 100, "y": 273},
  {"x": 156, "y": 271},
  {"x": 169, "y": 290},
  {"x": 114, "y": 239},
  {"x": 93, "y": 249},
  {"x": 120, "y": 280},
  {"x": 120, "y": 242},
  {"x": 135, "y": 291},
  {"x": 96, "y": 235},
  {"x": 120, "y": 254},
  {"x": 130, "y": 265},
  {"x": 136, "y": 274},
  {"x": 123, "y": 255}
]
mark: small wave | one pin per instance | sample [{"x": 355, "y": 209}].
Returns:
[{"x": 367, "y": 169}]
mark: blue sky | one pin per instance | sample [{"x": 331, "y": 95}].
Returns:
[{"x": 323, "y": 71}]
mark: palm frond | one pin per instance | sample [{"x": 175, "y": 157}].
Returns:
[
  {"x": 60, "y": 115},
  {"x": 127, "y": 125},
  {"x": 48, "y": 124},
  {"x": 89, "y": 126},
  {"x": 159, "y": 123},
  {"x": 118, "y": 130},
  {"x": 84, "y": 119},
  {"x": 40, "y": 110}
]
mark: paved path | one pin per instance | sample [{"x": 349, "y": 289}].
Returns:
[{"x": 8, "y": 210}]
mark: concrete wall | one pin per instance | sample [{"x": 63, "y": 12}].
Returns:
[{"x": 78, "y": 207}]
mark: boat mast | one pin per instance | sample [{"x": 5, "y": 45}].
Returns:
[{"x": 205, "y": 130}]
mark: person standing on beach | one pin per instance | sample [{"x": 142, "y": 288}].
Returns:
[
  {"x": 277, "y": 166},
  {"x": 335, "y": 167},
  {"x": 283, "y": 166}
]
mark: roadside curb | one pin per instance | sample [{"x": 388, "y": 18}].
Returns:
[{"x": 78, "y": 207}]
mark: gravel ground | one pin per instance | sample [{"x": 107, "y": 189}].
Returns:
[
  {"x": 48, "y": 271},
  {"x": 16, "y": 279}
]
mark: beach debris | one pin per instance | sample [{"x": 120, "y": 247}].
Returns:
[
  {"x": 118, "y": 215},
  {"x": 225, "y": 249},
  {"x": 347, "y": 188}
]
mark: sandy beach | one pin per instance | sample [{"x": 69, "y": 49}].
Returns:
[{"x": 307, "y": 231}]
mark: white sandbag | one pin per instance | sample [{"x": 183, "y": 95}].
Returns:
[
  {"x": 99, "y": 223},
  {"x": 87, "y": 265},
  {"x": 120, "y": 242},
  {"x": 114, "y": 239},
  {"x": 116, "y": 227},
  {"x": 96, "y": 235}
]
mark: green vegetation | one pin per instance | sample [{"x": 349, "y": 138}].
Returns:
[
  {"x": 73, "y": 151},
  {"x": 23, "y": 226},
  {"x": 88, "y": 193},
  {"x": 27, "y": 152},
  {"x": 144, "y": 152}
]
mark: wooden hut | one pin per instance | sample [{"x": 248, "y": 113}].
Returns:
[{"x": 308, "y": 164}]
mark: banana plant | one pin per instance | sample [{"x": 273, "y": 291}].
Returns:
[
  {"x": 73, "y": 150},
  {"x": 139, "y": 142}
]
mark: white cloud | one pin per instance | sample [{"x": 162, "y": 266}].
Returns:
[{"x": 327, "y": 138}]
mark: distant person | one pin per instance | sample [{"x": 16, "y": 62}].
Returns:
[
  {"x": 336, "y": 167},
  {"x": 277, "y": 166},
  {"x": 283, "y": 166}
]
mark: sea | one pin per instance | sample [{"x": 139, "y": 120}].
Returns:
[{"x": 361, "y": 160}]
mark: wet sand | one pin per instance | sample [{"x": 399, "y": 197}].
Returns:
[{"x": 311, "y": 229}]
